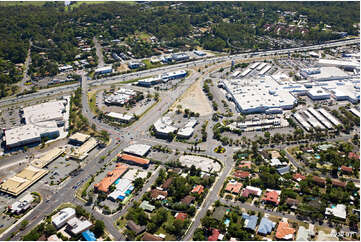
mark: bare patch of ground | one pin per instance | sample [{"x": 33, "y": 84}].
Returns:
[
  {"x": 123, "y": 68},
  {"x": 195, "y": 100}
]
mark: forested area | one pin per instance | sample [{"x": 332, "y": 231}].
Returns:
[{"x": 52, "y": 28}]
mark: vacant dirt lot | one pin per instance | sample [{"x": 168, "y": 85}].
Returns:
[
  {"x": 195, "y": 100},
  {"x": 123, "y": 68}
]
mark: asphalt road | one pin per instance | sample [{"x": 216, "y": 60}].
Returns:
[{"x": 68, "y": 88}]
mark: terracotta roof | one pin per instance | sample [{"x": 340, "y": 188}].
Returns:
[
  {"x": 338, "y": 183},
  {"x": 247, "y": 191},
  {"x": 298, "y": 177},
  {"x": 181, "y": 216},
  {"x": 353, "y": 155},
  {"x": 241, "y": 174},
  {"x": 155, "y": 193},
  {"x": 247, "y": 165},
  {"x": 271, "y": 196},
  {"x": 111, "y": 177},
  {"x": 291, "y": 201},
  {"x": 347, "y": 169},
  {"x": 284, "y": 231},
  {"x": 234, "y": 187},
  {"x": 214, "y": 236},
  {"x": 319, "y": 180},
  {"x": 167, "y": 183},
  {"x": 198, "y": 189},
  {"x": 151, "y": 237},
  {"x": 188, "y": 199},
  {"x": 134, "y": 159}
]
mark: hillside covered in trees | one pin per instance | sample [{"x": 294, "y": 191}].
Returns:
[{"x": 53, "y": 28}]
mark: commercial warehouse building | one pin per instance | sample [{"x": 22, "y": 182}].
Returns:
[
  {"x": 30, "y": 133},
  {"x": 64, "y": 215},
  {"x": 324, "y": 74},
  {"x": 78, "y": 138},
  {"x": 259, "y": 95},
  {"x": 137, "y": 149},
  {"x": 41, "y": 120},
  {"x": 173, "y": 75},
  {"x": 22, "y": 181},
  {"x": 163, "y": 126},
  {"x": 187, "y": 131},
  {"x": 48, "y": 157},
  {"x": 124, "y": 118},
  {"x": 149, "y": 81},
  {"x": 318, "y": 93},
  {"x": 49, "y": 111},
  {"x": 22, "y": 204},
  {"x": 81, "y": 152},
  {"x": 104, "y": 70},
  {"x": 339, "y": 63},
  {"x": 180, "y": 57},
  {"x": 120, "y": 97}
]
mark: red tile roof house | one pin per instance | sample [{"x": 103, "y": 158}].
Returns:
[
  {"x": 188, "y": 199},
  {"x": 241, "y": 174},
  {"x": 251, "y": 190},
  {"x": 214, "y": 236},
  {"x": 158, "y": 194},
  {"x": 319, "y": 180},
  {"x": 198, "y": 189},
  {"x": 167, "y": 183},
  {"x": 233, "y": 187},
  {"x": 338, "y": 183},
  {"x": 298, "y": 177},
  {"x": 353, "y": 155},
  {"x": 272, "y": 196},
  {"x": 346, "y": 169},
  {"x": 245, "y": 165},
  {"x": 181, "y": 216}
]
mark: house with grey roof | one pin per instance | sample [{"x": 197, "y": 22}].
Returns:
[
  {"x": 266, "y": 226},
  {"x": 250, "y": 221},
  {"x": 283, "y": 170}
]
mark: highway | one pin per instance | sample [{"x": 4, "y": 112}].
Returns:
[{"x": 155, "y": 71}]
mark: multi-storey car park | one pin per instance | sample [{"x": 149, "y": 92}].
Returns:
[{"x": 320, "y": 118}]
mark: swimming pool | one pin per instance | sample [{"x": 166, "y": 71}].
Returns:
[{"x": 117, "y": 181}]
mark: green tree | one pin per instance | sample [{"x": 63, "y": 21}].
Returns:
[{"x": 98, "y": 228}]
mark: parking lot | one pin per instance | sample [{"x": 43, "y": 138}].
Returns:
[{"x": 203, "y": 163}]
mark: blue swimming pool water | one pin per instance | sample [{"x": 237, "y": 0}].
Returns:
[{"x": 117, "y": 181}]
